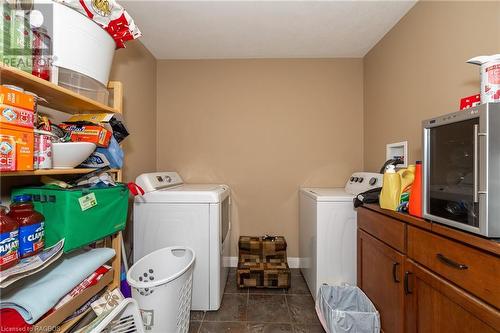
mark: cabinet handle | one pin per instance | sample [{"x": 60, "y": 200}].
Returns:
[
  {"x": 394, "y": 268},
  {"x": 450, "y": 262},
  {"x": 407, "y": 288}
]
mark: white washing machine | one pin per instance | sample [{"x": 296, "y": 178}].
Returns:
[
  {"x": 327, "y": 231},
  {"x": 195, "y": 215}
]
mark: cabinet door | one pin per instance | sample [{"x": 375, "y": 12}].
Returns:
[
  {"x": 380, "y": 269},
  {"x": 433, "y": 305}
]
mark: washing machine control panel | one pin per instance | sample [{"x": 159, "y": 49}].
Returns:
[
  {"x": 157, "y": 180},
  {"x": 363, "y": 181}
]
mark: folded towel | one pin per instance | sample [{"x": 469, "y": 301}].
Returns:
[
  {"x": 38, "y": 293},
  {"x": 11, "y": 321}
]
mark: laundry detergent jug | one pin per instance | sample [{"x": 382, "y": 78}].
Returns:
[{"x": 391, "y": 190}]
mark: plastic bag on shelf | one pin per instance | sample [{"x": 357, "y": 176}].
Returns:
[{"x": 110, "y": 15}]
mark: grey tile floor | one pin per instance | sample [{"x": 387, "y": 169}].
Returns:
[{"x": 261, "y": 310}]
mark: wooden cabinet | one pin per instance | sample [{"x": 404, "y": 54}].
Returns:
[
  {"x": 389, "y": 230},
  {"x": 380, "y": 270},
  {"x": 427, "y": 278},
  {"x": 473, "y": 270},
  {"x": 434, "y": 305}
]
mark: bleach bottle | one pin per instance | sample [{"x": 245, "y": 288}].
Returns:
[{"x": 391, "y": 191}]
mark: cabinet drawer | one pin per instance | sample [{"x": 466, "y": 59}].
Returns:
[
  {"x": 474, "y": 270},
  {"x": 386, "y": 229}
]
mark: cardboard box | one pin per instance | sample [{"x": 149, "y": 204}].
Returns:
[
  {"x": 96, "y": 118},
  {"x": 16, "y": 98},
  {"x": 88, "y": 133},
  {"x": 470, "y": 101},
  {"x": 16, "y": 116},
  {"x": 110, "y": 121},
  {"x": 21, "y": 142}
]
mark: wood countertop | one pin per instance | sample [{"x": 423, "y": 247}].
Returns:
[{"x": 485, "y": 244}]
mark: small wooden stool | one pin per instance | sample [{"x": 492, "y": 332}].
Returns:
[{"x": 262, "y": 262}]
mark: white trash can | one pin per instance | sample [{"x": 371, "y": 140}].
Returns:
[{"x": 162, "y": 283}]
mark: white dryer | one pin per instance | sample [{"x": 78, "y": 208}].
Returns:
[
  {"x": 327, "y": 231},
  {"x": 195, "y": 215}
]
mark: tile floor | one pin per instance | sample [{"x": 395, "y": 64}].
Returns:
[{"x": 261, "y": 310}]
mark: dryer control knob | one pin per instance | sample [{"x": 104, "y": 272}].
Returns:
[
  {"x": 373, "y": 181},
  {"x": 360, "y": 179}
]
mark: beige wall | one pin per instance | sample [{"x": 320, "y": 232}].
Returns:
[
  {"x": 418, "y": 71},
  {"x": 135, "y": 67},
  {"x": 265, "y": 127}
]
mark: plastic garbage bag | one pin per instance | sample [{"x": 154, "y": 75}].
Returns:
[{"x": 346, "y": 309}]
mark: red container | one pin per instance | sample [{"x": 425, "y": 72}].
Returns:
[
  {"x": 415, "y": 204},
  {"x": 42, "y": 52},
  {"x": 9, "y": 240},
  {"x": 31, "y": 225}
]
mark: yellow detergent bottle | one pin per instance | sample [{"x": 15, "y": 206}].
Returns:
[
  {"x": 391, "y": 190},
  {"x": 407, "y": 178}
]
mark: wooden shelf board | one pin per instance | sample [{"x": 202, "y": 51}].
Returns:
[
  {"x": 49, "y": 172},
  {"x": 58, "y": 98}
]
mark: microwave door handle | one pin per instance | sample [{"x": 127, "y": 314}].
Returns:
[{"x": 475, "y": 168}]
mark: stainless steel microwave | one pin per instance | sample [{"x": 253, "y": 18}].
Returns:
[{"x": 461, "y": 169}]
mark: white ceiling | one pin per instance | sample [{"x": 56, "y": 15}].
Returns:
[{"x": 263, "y": 29}]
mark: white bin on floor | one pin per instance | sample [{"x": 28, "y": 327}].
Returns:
[
  {"x": 346, "y": 309},
  {"x": 162, "y": 283}
]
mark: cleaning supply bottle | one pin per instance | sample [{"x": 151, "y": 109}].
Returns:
[
  {"x": 31, "y": 225},
  {"x": 415, "y": 205},
  {"x": 391, "y": 190},
  {"x": 9, "y": 240},
  {"x": 407, "y": 177}
]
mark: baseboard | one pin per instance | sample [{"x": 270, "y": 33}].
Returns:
[{"x": 293, "y": 262}]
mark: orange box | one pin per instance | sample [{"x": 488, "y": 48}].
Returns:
[
  {"x": 23, "y": 139},
  {"x": 88, "y": 133},
  {"x": 16, "y": 116},
  {"x": 16, "y": 98}
]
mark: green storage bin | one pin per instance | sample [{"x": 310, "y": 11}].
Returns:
[{"x": 64, "y": 217}]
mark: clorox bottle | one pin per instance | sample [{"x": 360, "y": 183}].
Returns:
[{"x": 391, "y": 190}]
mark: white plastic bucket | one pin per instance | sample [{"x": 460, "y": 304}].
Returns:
[
  {"x": 78, "y": 43},
  {"x": 162, "y": 285}
]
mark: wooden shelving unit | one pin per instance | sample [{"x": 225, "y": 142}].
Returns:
[
  {"x": 64, "y": 100},
  {"x": 52, "y": 172},
  {"x": 58, "y": 98}
]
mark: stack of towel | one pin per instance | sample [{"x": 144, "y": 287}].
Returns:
[{"x": 35, "y": 295}]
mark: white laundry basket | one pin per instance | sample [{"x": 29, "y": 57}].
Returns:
[
  {"x": 162, "y": 283},
  {"x": 125, "y": 318}
]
